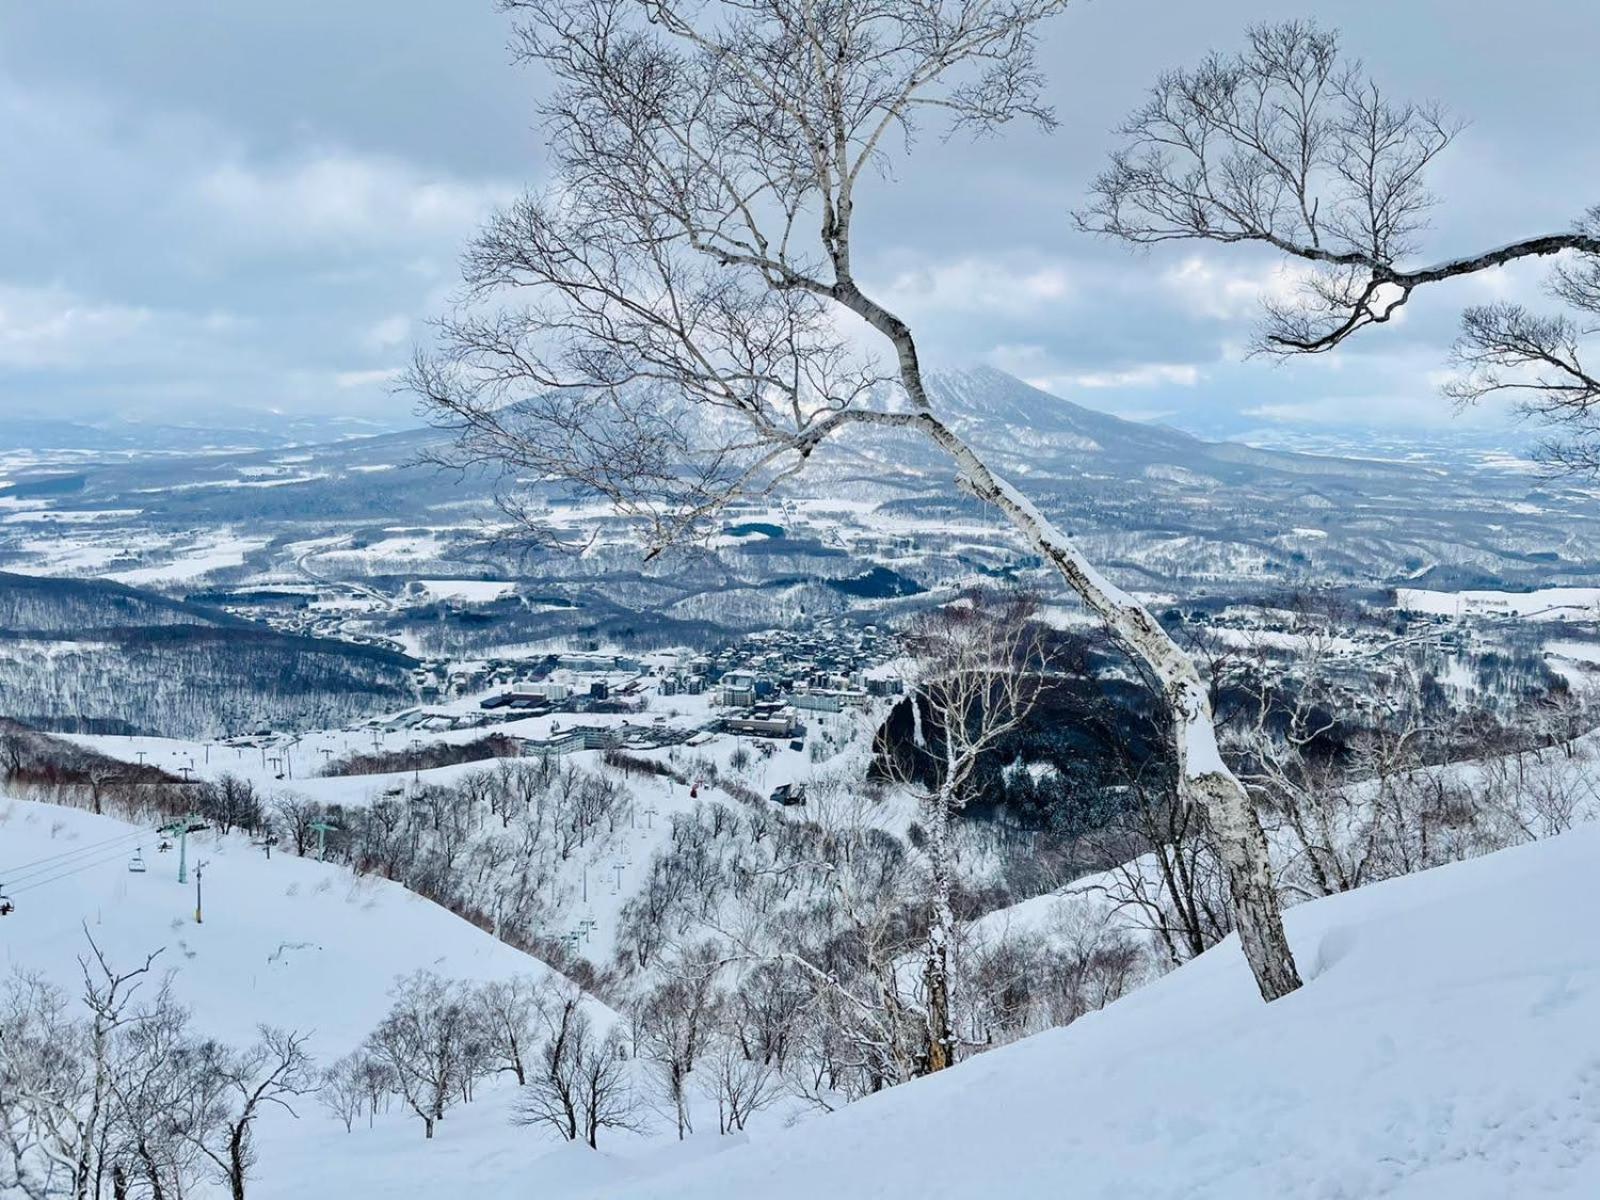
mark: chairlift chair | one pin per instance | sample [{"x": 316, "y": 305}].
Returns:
[{"x": 136, "y": 863}]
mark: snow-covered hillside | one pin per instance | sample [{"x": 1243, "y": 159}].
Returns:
[
  {"x": 1444, "y": 1045},
  {"x": 289, "y": 942}
]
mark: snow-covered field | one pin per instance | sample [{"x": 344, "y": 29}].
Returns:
[
  {"x": 216, "y": 554},
  {"x": 1557, "y": 603},
  {"x": 473, "y": 591}
]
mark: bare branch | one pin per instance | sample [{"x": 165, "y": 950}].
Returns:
[{"x": 1285, "y": 145}]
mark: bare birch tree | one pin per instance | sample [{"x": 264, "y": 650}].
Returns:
[
  {"x": 507, "y": 1011},
  {"x": 424, "y": 1042},
  {"x": 46, "y": 1080},
  {"x": 582, "y": 1084},
  {"x": 677, "y": 323},
  {"x": 165, "y": 1103},
  {"x": 976, "y": 668},
  {"x": 1288, "y": 145},
  {"x": 674, "y": 1021},
  {"x": 272, "y": 1073}
]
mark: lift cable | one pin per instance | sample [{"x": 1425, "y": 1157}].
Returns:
[{"x": 51, "y": 861}]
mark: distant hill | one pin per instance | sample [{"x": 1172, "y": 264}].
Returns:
[
  {"x": 1043, "y": 432},
  {"x": 91, "y": 656},
  {"x": 1163, "y": 510},
  {"x": 43, "y": 604}
]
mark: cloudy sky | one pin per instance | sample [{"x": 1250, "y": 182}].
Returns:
[{"x": 207, "y": 206}]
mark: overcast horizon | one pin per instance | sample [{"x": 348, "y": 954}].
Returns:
[{"x": 259, "y": 207}]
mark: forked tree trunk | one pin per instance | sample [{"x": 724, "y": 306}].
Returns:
[{"x": 1203, "y": 777}]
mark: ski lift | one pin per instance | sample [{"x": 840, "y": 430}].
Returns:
[
  {"x": 165, "y": 845},
  {"x": 6, "y": 907},
  {"x": 136, "y": 863}
]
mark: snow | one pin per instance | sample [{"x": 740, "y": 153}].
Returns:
[
  {"x": 1443, "y": 1046},
  {"x": 294, "y": 943},
  {"x": 219, "y": 552},
  {"x": 1583, "y": 652},
  {"x": 1556, "y": 603},
  {"x": 70, "y": 516},
  {"x": 1294, "y": 643},
  {"x": 209, "y": 484},
  {"x": 289, "y": 941},
  {"x": 472, "y": 591},
  {"x": 588, "y": 884}
]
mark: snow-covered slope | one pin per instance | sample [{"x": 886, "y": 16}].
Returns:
[
  {"x": 293, "y": 943},
  {"x": 289, "y": 941},
  {"x": 1446, "y": 1044}
]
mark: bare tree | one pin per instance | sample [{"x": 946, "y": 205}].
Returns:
[
  {"x": 675, "y": 1020},
  {"x": 270, "y": 1074},
  {"x": 582, "y": 1085},
  {"x": 666, "y": 327},
  {"x": 1290, "y": 146},
  {"x": 1542, "y": 360},
  {"x": 552, "y": 1095},
  {"x": 1285, "y": 734},
  {"x": 424, "y": 1042},
  {"x": 296, "y": 814},
  {"x": 976, "y": 668},
  {"x": 744, "y": 1083},
  {"x": 606, "y": 1097},
  {"x": 165, "y": 1106},
  {"x": 378, "y": 1078},
  {"x": 344, "y": 1089},
  {"x": 508, "y": 1011},
  {"x": 108, "y": 994},
  {"x": 60, "y": 1078},
  {"x": 13, "y": 750},
  {"x": 233, "y": 801},
  {"x": 46, "y": 1079},
  {"x": 1167, "y": 878},
  {"x": 848, "y": 944}
]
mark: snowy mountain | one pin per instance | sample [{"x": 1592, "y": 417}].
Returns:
[{"x": 1041, "y": 433}]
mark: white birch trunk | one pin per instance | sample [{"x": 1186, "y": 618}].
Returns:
[
  {"x": 1203, "y": 777},
  {"x": 941, "y": 926}
]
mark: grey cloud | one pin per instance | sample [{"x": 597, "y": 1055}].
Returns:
[{"x": 262, "y": 203}]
